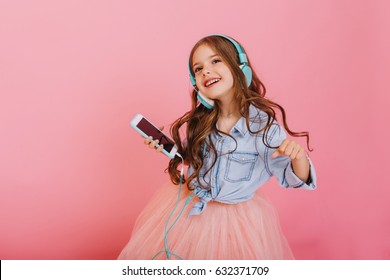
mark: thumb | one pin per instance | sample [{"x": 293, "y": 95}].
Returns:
[
  {"x": 275, "y": 154},
  {"x": 161, "y": 128}
]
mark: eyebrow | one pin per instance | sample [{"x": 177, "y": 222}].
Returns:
[{"x": 210, "y": 57}]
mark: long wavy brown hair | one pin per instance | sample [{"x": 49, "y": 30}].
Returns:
[{"x": 200, "y": 122}]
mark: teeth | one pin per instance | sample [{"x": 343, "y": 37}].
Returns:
[{"x": 212, "y": 82}]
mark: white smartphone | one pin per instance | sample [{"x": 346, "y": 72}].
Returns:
[{"x": 144, "y": 127}]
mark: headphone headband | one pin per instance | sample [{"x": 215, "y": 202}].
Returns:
[
  {"x": 241, "y": 54},
  {"x": 243, "y": 65}
]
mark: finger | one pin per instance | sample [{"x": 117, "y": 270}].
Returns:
[
  {"x": 160, "y": 148},
  {"x": 283, "y": 146},
  {"x": 294, "y": 154},
  {"x": 280, "y": 150},
  {"x": 161, "y": 128},
  {"x": 148, "y": 140},
  {"x": 300, "y": 154},
  {"x": 152, "y": 144},
  {"x": 156, "y": 144},
  {"x": 289, "y": 148}
]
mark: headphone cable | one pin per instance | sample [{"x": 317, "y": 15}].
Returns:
[{"x": 166, "y": 250}]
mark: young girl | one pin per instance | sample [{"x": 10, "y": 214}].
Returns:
[{"x": 233, "y": 145}]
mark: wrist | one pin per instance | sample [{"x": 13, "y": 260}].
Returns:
[{"x": 301, "y": 168}]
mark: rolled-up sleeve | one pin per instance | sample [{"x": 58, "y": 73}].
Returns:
[{"x": 281, "y": 166}]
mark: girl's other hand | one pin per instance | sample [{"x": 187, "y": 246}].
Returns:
[
  {"x": 299, "y": 161},
  {"x": 290, "y": 149}
]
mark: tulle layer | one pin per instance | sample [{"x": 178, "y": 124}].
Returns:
[{"x": 247, "y": 230}]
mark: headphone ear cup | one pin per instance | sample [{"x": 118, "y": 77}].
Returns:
[
  {"x": 247, "y": 72},
  {"x": 208, "y": 103},
  {"x": 192, "y": 79}
]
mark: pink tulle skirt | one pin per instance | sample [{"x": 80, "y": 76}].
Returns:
[{"x": 247, "y": 230}]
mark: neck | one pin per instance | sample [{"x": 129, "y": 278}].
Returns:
[
  {"x": 229, "y": 107},
  {"x": 227, "y": 119},
  {"x": 230, "y": 111}
]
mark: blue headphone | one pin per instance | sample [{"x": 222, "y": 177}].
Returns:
[{"x": 208, "y": 103}]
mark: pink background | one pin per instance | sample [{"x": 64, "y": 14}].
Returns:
[{"x": 74, "y": 176}]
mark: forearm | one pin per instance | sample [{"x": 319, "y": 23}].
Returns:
[{"x": 301, "y": 168}]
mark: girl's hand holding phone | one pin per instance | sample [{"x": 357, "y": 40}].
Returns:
[
  {"x": 153, "y": 143},
  {"x": 147, "y": 129}
]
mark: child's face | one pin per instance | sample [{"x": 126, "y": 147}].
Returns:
[{"x": 213, "y": 77}]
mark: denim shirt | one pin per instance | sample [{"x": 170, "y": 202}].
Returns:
[{"x": 245, "y": 164}]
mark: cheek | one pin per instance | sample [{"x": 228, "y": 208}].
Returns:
[
  {"x": 198, "y": 84},
  {"x": 229, "y": 78},
  {"x": 227, "y": 74}
]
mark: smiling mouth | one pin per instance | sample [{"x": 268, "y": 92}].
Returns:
[{"x": 211, "y": 82}]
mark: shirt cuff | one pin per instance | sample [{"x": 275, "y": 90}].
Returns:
[
  {"x": 198, "y": 208},
  {"x": 292, "y": 180}
]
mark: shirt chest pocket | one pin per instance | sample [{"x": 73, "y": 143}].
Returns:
[{"x": 240, "y": 166}]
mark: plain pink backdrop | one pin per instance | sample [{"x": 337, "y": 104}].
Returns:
[{"x": 74, "y": 176}]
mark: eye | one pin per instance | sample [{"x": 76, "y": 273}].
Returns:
[
  {"x": 197, "y": 69},
  {"x": 216, "y": 60}
]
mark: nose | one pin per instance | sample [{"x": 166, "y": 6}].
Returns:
[{"x": 206, "y": 72}]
